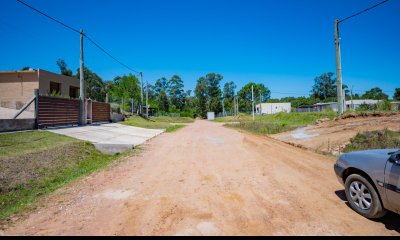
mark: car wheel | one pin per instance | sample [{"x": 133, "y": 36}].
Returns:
[{"x": 363, "y": 197}]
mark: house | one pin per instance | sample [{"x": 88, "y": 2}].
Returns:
[
  {"x": 322, "y": 107},
  {"x": 354, "y": 104},
  {"x": 273, "y": 108},
  {"x": 17, "y": 87}
]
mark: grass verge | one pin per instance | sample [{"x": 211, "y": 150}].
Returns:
[
  {"x": 28, "y": 172},
  {"x": 173, "y": 119},
  {"x": 384, "y": 139},
  {"x": 174, "y": 128},
  {"x": 157, "y": 123},
  {"x": 277, "y": 123}
]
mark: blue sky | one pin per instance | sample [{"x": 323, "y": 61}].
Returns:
[{"x": 283, "y": 44}]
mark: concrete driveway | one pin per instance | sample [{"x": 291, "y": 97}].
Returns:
[{"x": 110, "y": 138}]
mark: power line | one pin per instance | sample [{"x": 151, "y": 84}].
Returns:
[
  {"x": 77, "y": 31},
  {"x": 366, "y": 10},
  {"x": 108, "y": 54},
  {"x": 44, "y": 14}
]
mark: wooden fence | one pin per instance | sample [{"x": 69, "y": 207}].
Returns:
[
  {"x": 57, "y": 111},
  {"x": 101, "y": 112}
]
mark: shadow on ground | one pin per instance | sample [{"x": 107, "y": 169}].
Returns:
[{"x": 391, "y": 220}]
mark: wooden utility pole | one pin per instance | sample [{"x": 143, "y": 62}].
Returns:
[
  {"x": 83, "y": 114},
  {"x": 237, "y": 106},
  {"x": 223, "y": 107},
  {"x": 252, "y": 99},
  {"x": 141, "y": 92},
  {"x": 352, "y": 102},
  {"x": 147, "y": 98},
  {"x": 339, "y": 69}
]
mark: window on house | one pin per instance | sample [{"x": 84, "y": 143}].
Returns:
[
  {"x": 55, "y": 88},
  {"x": 73, "y": 92}
]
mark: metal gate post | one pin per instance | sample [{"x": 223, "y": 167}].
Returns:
[{"x": 37, "y": 108}]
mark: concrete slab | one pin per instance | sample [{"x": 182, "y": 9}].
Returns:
[{"x": 110, "y": 138}]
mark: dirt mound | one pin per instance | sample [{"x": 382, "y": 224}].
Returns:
[
  {"x": 367, "y": 115},
  {"x": 332, "y": 136}
]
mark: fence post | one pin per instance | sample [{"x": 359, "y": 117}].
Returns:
[{"x": 37, "y": 108}]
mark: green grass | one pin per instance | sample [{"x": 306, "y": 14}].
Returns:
[
  {"x": 173, "y": 119},
  {"x": 174, "y": 128},
  {"x": 136, "y": 121},
  {"x": 277, "y": 123},
  {"x": 157, "y": 123},
  {"x": 27, "y": 142},
  {"x": 36, "y": 171},
  {"x": 384, "y": 139}
]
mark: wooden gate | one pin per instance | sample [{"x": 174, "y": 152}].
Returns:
[
  {"x": 57, "y": 111},
  {"x": 101, "y": 112}
]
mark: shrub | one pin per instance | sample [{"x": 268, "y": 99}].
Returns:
[{"x": 384, "y": 139}]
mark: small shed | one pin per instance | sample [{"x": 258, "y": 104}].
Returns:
[{"x": 210, "y": 116}]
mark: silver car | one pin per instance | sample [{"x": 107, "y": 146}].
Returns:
[{"x": 371, "y": 180}]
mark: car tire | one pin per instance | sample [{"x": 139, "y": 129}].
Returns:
[{"x": 363, "y": 198}]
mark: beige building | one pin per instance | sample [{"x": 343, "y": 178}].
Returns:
[{"x": 17, "y": 88}]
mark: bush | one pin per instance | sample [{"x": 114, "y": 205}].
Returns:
[
  {"x": 384, "y": 139},
  {"x": 385, "y": 106},
  {"x": 367, "y": 107}
]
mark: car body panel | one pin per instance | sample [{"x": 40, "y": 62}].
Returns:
[
  {"x": 392, "y": 181},
  {"x": 374, "y": 163}
]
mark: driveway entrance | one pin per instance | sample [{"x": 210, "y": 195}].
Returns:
[{"x": 110, "y": 138}]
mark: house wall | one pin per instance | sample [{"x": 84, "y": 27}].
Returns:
[
  {"x": 17, "y": 88},
  {"x": 65, "y": 81},
  {"x": 273, "y": 108}
]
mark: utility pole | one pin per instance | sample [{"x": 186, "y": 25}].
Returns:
[
  {"x": 261, "y": 101},
  {"x": 141, "y": 92},
  {"x": 147, "y": 98},
  {"x": 234, "y": 105},
  {"x": 252, "y": 99},
  {"x": 223, "y": 107},
  {"x": 351, "y": 95},
  {"x": 83, "y": 114},
  {"x": 237, "y": 106},
  {"x": 339, "y": 69}
]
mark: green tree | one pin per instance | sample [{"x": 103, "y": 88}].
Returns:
[
  {"x": 163, "y": 103},
  {"x": 396, "y": 96},
  {"x": 95, "y": 89},
  {"x": 126, "y": 89},
  {"x": 201, "y": 97},
  {"x": 176, "y": 92},
  {"x": 214, "y": 92},
  {"x": 229, "y": 95},
  {"x": 25, "y": 68},
  {"x": 161, "y": 84},
  {"x": 376, "y": 94},
  {"x": 63, "y": 68},
  {"x": 324, "y": 87},
  {"x": 245, "y": 95}
]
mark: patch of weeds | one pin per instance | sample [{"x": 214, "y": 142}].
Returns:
[{"x": 384, "y": 139}]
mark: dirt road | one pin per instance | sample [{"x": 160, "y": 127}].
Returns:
[{"x": 207, "y": 180}]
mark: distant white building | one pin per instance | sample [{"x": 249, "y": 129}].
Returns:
[
  {"x": 322, "y": 107},
  {"x": 353, "y": 105},
  {"x": 273, "y": 108}
]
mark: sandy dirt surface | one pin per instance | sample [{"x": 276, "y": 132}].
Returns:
[
  {"x": 207, "y": 180},
  {"x": 329, "y": 136}
]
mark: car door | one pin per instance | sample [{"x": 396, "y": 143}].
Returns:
[{"x": 392, "y": 179}]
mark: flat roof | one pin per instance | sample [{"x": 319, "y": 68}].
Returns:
[{"x": 18, "y": 71}]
